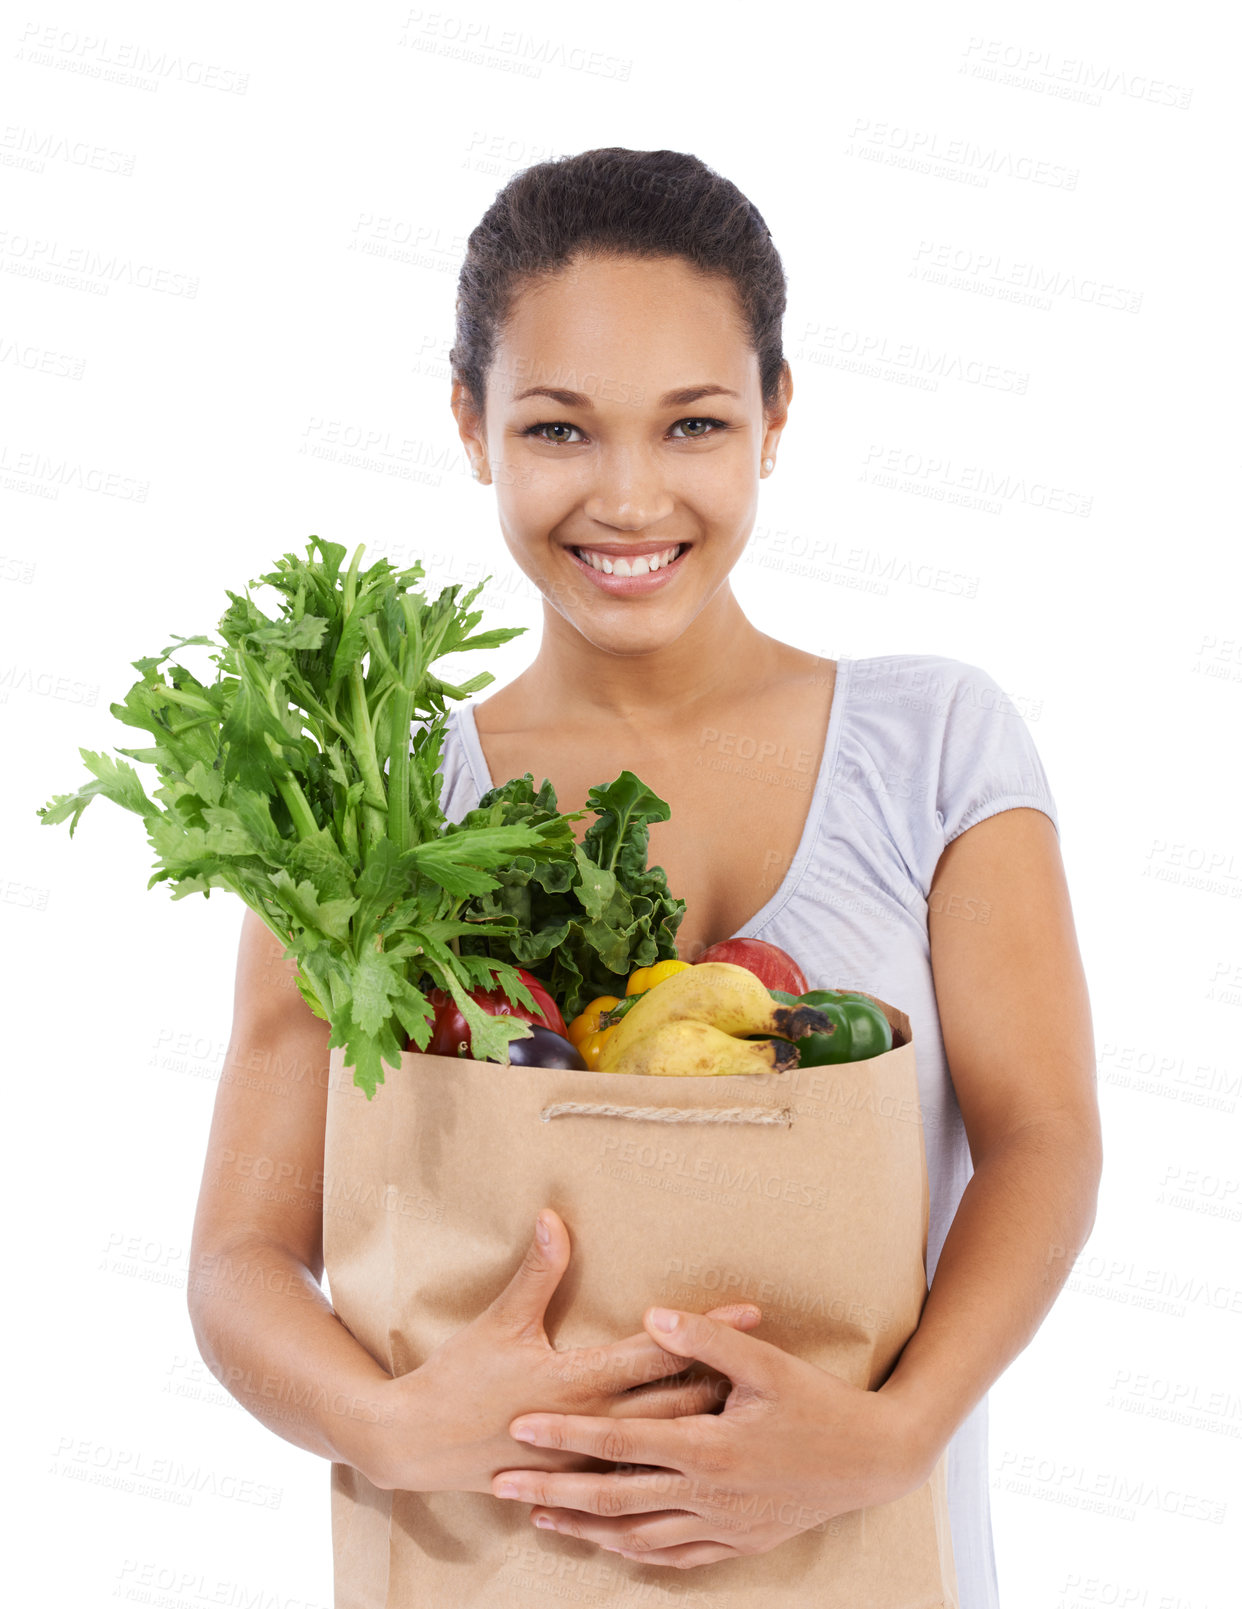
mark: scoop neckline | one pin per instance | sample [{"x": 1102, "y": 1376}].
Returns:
[{"x": 481, "y": 776}]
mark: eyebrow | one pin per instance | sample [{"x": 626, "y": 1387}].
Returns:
[{"x": 671, "y": 399}]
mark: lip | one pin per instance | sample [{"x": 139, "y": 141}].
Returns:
[{"x": 625, "y": 586}]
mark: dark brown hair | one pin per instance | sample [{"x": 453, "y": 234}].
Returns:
[{"x": 615, "y": 202}]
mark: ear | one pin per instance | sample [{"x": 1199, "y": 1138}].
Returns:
[
  {"x": 470, "y": 424},
  {"x": 776, "y": 416}
]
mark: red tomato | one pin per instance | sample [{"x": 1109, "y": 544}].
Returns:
[
  {"x": 450, "y": 1035},
  {"x": 769, "y": 963}
]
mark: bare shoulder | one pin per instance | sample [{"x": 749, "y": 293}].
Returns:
[
  {"x": 796, "y": 692},
  {"x": 262, "y": 1176},
  {"x": 505, "y": 710},
  {"x": 797, "y": 667}
]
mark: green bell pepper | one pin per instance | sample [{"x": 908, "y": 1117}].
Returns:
[{"x": 860, "y": 1029}]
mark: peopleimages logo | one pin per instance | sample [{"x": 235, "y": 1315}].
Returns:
[
  {"x": 738, "y": 1285},
  {"x": 121, "y": 61},
  {"x": 465, "y": 39},
  {"x": 50, "y": 475},
  {"x": 1065, "y": 77},
  {"x": 1104, "y": 1491},
  {"x": 35, "y": 257},
  {"x": 45, "y": 684},
  {"x": 138, "y": 1579},
  {"x": 906, "y": 146},
  {"x": 992, "y": 274},
  {"x": 871, "y": 351},
  {"x": 929, "y": 475},
  {"x": 677, "y": 1165},
  {"x": 32, "y": 149}
]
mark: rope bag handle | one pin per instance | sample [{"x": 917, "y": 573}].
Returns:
[{"x": 783, "y": 1115}]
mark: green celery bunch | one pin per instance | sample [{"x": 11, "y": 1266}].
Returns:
[{"x": 309, "y": 786}]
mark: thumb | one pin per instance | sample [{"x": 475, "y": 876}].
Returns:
[
  {"x": 698, "y": 1335},
  {"x": 524, "y": 1301}
]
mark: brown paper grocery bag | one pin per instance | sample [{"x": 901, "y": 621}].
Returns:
[{"x": 804, "y": 1191}]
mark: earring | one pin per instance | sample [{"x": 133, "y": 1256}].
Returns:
[
  {"x": 767, "y": 464},
  {"x": 475, "y": 471}
]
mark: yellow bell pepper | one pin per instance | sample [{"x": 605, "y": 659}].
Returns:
[
  {"x": 592, "y": 1046},
  {"x": 587, "y": 1020},
  {"x": 647, "y": 977},
  {"x": 585, "y": 1032}
]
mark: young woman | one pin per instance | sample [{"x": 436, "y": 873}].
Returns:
[{"x": 619, "y": 380}]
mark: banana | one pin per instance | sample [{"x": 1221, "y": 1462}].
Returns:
[
  {"x": 715, "y": 994},
  {"x": 687, "y": 1048}
]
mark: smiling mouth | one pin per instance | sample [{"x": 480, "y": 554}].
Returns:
[{"x": 640, "y": 564}]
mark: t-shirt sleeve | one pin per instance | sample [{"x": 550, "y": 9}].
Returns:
[{"x": 988, "y": 761}]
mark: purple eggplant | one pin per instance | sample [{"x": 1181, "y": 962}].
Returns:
[{"x": 545, "y": 1049}]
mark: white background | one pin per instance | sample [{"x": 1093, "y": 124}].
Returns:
[{"x": 221, "y": 274}]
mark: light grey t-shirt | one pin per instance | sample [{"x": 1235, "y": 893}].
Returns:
[{"x": 919, "y": 748}]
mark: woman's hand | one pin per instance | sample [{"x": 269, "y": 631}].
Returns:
[
  {"x": 794, "y": 1447},
  {"x": 445, "y": 1425}
]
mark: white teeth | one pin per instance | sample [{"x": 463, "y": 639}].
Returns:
[{"x": 643, "y": 564}]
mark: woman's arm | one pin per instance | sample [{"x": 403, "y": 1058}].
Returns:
[
  {"x": 1016, "y": 1023},
  {"x": 797, "y": 1442},
  {"x": 263, "y": 1324},
  {"x": 270, "y": 1335}
]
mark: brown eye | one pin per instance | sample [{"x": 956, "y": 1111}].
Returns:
[
  {"x": 537, "y": 431},
  {"x": 716, "y": 424},
  {"x": 551, "y": 424}
]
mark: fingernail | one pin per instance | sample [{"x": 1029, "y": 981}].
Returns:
[
  {"x": 544, "y": 1523},
  {"x": 542, "y": 1232},
  {"x": 663, "y": 1319},
  {"x": 524, "y": 1433},
  {"x": 506, "y": 1489}
]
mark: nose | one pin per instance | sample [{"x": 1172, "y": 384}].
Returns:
[{"x": 627, "y": 492}]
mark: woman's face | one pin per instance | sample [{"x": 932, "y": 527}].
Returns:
[{"x": 624, "y": 430}]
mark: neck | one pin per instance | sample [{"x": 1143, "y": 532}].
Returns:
[{"x": 719, "y": 651}]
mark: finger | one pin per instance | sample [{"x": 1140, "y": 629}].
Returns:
[
  {"x": 670, "y": 1401},
  {"x": 638, "y": 1492},
  {"x": 741, "y": 1315},
  {"x": 636, "y": 1360},
  {"x": 744, "y": 1358},
  {"x": 521, "y": 1306},
  {"x": 696, "y": 1442},
  {"x": 685, "y": 1557},
  {"x": 656, "y": 1538}
]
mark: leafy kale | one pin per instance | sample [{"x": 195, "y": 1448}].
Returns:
[
  {"x": 310, "y": 786},
  {"x": 580, "y": 925}
]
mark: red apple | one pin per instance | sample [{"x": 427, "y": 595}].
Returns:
[{"x": 769, "y": 963}]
